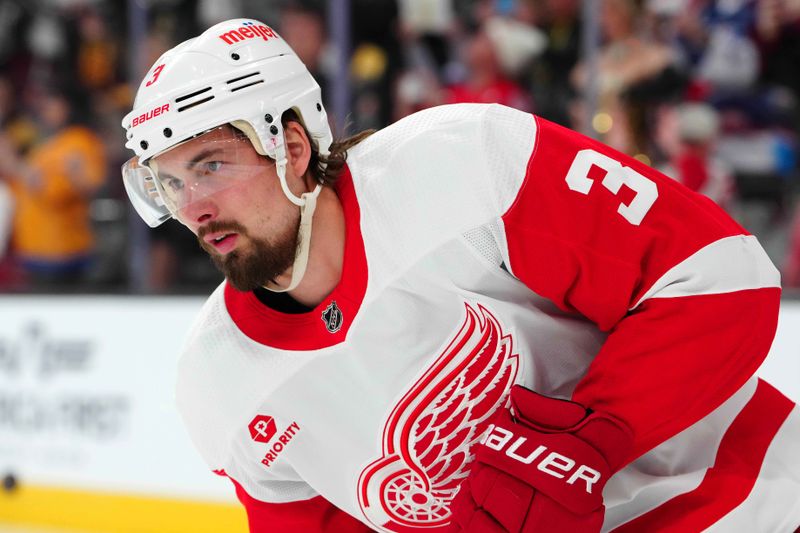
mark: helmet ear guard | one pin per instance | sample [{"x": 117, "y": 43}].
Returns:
[{"x": 277, "y": 149}]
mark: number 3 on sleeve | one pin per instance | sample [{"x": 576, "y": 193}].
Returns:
[{"x": 616, "y": 175}]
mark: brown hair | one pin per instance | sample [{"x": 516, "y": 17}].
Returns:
[{"x": 326, "y": 169}]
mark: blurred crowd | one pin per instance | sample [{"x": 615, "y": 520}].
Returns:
[{"x": 705, "y": 90}]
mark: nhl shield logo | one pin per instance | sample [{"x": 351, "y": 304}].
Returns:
[{"x": 332, "y": 316}]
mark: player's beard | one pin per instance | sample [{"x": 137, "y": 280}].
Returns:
[{"x": 256, "y": 261}]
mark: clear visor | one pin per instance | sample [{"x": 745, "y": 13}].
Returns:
[{"x": 172, "y": 182}]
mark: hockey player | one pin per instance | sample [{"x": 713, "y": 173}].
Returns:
[{"x": 479, "y": 321}]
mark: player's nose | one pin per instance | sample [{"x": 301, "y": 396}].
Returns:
[{"x": 199, "y": 212}]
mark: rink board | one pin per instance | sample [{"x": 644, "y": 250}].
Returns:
[{"x": 89, "y": 429}]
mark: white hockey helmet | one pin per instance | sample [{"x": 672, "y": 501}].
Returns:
[{"x": 238, "y": 72}]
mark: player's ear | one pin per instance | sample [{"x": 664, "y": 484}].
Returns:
[{"x": 298, "y": 147}]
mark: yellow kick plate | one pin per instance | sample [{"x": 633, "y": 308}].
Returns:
[{"x": 101, "y": 512}]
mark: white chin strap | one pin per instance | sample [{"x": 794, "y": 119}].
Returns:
[{"x": 308, "y": 204}]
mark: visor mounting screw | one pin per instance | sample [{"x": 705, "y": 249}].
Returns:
[
  {"x": 167, "y": 132},
  {"x": 319, "y": 107},
  {"x": 235, "y": 56},
  {"x": 273, "y": 130},
  {"x": 268, "y": 118},
  {"x": 144, "y": 145}
]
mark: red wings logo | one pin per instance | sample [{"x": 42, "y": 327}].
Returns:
[{"x": 429, "y": 434}]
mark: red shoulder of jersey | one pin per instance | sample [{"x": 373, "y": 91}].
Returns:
[{"x": 689, "y": 298}]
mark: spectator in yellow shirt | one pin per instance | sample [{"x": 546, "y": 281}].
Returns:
[{"x": 53, "y": 185}]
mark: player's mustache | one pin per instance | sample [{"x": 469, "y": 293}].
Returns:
[{"x": 218, "y": 226}]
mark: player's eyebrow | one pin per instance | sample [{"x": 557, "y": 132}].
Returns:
[{"x": 202, "y": 155}]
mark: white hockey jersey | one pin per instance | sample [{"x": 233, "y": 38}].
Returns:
[{"x": 486, "y": 247}]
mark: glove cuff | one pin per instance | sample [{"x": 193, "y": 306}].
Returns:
[{"x": 605, "y": 433}]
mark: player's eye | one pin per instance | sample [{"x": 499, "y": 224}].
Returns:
[{"x": 213, "y": 166}]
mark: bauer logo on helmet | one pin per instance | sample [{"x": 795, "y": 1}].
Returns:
[{"x": 144, "y": 117}]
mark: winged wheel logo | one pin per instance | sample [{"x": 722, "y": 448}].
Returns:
[{"x": 429, "y": 435}]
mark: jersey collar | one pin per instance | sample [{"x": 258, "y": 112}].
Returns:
[{"x": 328, "y": 323}]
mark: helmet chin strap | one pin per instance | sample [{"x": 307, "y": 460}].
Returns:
[{"x": 308, "y": 204}]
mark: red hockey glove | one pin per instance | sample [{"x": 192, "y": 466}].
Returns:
[{"x": 541, "y": 469}]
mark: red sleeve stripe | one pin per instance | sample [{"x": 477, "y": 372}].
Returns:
[
  {"x": 727, "y": 265},
  {"x": 736, "y": 468}
]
